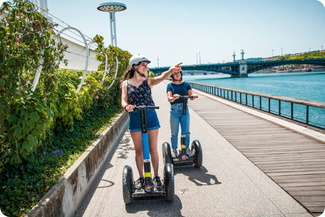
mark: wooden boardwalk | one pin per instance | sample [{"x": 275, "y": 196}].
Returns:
[{"x": 294, "y": 161}]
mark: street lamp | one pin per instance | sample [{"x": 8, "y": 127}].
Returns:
[{"x": 112, "y": 8}]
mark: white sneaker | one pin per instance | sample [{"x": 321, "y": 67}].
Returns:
[
  {"x": 189, "y": 153},
  {"x": 174, "y": 153}
]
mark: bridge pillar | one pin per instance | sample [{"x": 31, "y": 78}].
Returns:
[{"x": 242, "y": 69}]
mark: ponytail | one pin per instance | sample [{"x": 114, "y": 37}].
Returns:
[{"x": 128, "y": 74}]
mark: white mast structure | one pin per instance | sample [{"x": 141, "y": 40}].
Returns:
[{"x": 112, "y": 8}]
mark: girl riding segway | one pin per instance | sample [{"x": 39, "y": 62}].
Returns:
[
  {"x": 136, "y": 91},
  {"x": 179, "y": 114},
  {"x": 178, "y": 93}
]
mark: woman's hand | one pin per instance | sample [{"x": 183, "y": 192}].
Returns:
[
  {"x": 176, "y": 68},
  {"x": 194, "y": 96},
  {"x": 129, "y": 108},
  {"x": 156, "y": 80},
  {"x": 176, "y": 96}
]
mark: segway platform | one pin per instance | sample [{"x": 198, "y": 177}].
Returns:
[
  {"x": 166, "y": 191},
  {"x": 180, "y": 161},
  {"x": 155, "y": 193},
  {"x": 195, "y": 159}
]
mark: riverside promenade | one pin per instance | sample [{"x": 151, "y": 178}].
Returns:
[{"x": 251, "y": 167}]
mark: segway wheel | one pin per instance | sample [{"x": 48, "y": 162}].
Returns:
[
  {"x": 167, "y": 154},
  {"x": 127, "y": 184},
  {"x": 169, "y": 182},
  {"x": 198, "y": 153}
]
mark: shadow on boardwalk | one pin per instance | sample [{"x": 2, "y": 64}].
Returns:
[{"x": 199, "y": 176}]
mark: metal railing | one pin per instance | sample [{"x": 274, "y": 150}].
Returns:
[{"x": 304, "y": 111}]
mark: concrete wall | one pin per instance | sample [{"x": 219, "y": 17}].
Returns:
[
  {"x": 76, "y": 56},
  {"x": 65, "y": 197}
]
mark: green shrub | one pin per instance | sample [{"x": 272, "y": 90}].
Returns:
[
  {"x": 25, "y": 116},
  {"x": 23, "y": 185},
  {"x": 54, "y": 115}
]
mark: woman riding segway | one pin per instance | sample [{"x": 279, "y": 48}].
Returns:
[
  {"x": 178, "y": 93},
  {"x": 136, "y": 91},
  {"x": 175, "y": 90}
]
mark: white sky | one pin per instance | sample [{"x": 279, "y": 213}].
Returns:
[{"x": 180, "y": 30}]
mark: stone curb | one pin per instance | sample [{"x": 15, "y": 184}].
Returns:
[{"x": 64, "y": 198}]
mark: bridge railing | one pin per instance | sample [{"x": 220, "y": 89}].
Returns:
[{"x": 304, "y": 111}]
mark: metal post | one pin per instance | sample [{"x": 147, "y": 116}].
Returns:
[
  {"x": 307, "y": 114},
  {"x": 112, "y": 7},
  {"x": 112, "y": 21}
]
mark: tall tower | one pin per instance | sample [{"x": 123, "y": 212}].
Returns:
[{"x": 112, "y": 8}]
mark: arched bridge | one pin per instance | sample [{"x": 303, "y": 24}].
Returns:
[{"x": 233, "y": 68}]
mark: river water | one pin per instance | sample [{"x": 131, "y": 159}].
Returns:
[{"x": 301, "y": 85}]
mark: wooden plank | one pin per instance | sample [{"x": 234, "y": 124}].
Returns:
[{"x": 294, "y": 161}]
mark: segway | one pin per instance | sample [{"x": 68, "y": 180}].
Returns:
[
  {"x": 130, "y": 192},
  {"x": 182, "y": 158}
]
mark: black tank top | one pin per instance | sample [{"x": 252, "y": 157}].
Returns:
[{"x": 140, "y": 95}]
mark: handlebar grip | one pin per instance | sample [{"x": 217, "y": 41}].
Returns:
[
  {"x": 187, "y": 96},
  {"x": 146, "y": 107},
  {"x": 152, "y": 107}
]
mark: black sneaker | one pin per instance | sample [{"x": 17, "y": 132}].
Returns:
[
  {"x": 139, "y": 184},
  {"x": 157, "y": 182}
]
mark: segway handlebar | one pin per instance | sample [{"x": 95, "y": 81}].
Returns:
[
  {"x": 145, "y": 107},
  {"x": 142, "y": 109},
  {"x": 187, "y": 96}
]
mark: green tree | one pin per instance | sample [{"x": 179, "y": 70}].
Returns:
[{"x": 306, "y": 55}]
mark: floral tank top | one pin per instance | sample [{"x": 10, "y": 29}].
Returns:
[{"x": 140, "y": 95}]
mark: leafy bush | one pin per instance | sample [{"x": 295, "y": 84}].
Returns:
[
  {"x": 26, "y": 46},
  {"x": 33, "y": 123},
  {"x": 22, "y": 186},
  {"x": 27, "y": 117}
]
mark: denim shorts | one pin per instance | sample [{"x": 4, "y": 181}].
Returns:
[{"x": 135, "y": 121}]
